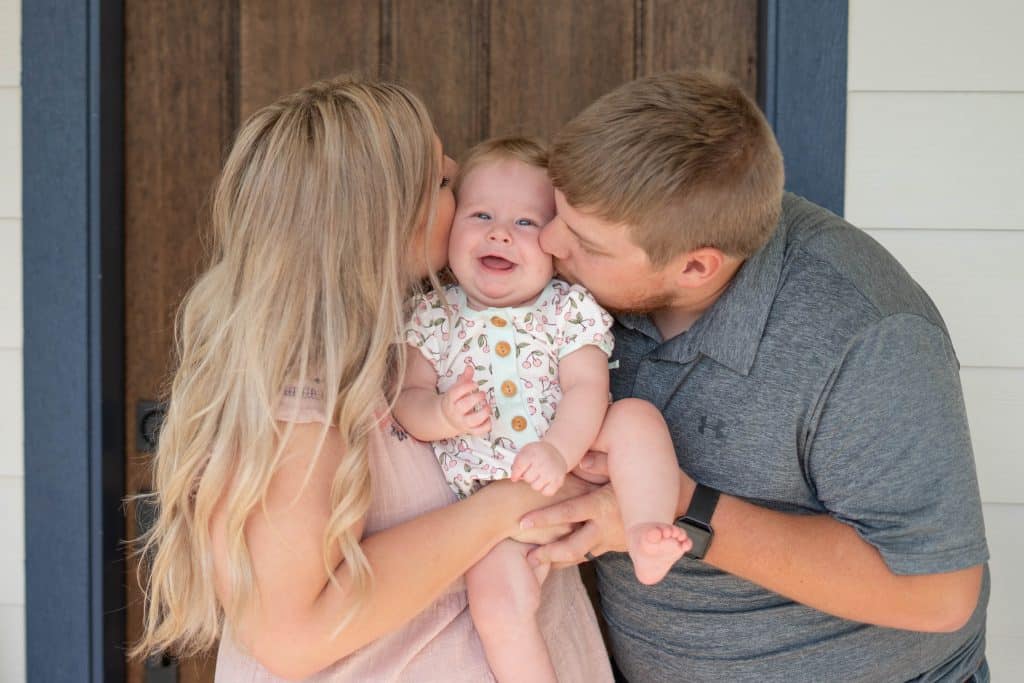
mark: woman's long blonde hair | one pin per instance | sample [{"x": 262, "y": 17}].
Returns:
[{"x": 313, "y": 214}]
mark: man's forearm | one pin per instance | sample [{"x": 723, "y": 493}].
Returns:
[{"x": 823, "y": 563}]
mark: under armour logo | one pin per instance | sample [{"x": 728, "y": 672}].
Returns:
[{"x": 718, "y": 428}]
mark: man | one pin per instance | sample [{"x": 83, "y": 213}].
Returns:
[{"x": 803, "y": 375}]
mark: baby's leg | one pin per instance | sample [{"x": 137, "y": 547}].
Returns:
[
  {"x": 504, "y": 594},
  {"x": 645, "y": 474}
]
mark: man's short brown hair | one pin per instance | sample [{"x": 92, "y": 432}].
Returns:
[
  {"x": 684, "y": 159},
  {"x": 530, "y": 151}
]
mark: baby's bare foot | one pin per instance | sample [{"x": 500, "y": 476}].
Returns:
[{"x": 654, "y": 547}]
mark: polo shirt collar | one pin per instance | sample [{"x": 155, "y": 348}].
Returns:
[{"x": 730, "y": 331}]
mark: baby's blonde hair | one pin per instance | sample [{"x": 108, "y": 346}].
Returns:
[
  {"x": 530, "y": 151},
  {"x": 319, "y": 197}
]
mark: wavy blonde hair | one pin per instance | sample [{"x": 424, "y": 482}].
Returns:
[{"x": 319, "y": 199}]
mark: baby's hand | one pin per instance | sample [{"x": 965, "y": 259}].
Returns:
[
  {"x": 541, "y": 466},
  {"x": 465, "y": 407}
]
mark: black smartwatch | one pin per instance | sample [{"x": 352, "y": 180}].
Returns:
[{"x": 697, "y": 520}]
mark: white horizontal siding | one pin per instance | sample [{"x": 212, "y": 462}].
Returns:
[
  {"x": 12, "y": 643},
  {"x": 12, "y": 541},
  {"x": 1003, "y": 524},
  {"x": 976, "y": 278},
  {"x": 12, "y": 491},
  {"x": 935, "y": 171},
  {"x": 936, "y": 45},
  {"x": 10, "y": 284},
  {"x": 10, "y": 151},
  {"x": 1005, "y": 648},
  {"x": 1005, "y": 657},
  {"x": 995, "y": 407},
  {"x": 10, "y": 43},
  {"x": 935, "y": 160},
  {"x": 12, "y": 438}
]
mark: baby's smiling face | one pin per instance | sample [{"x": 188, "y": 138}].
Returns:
[{"x": 494, "y": 249}]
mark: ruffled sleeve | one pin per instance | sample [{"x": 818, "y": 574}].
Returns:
[
  {"x": 428, "y": 327},
  {"x": 582, "y": 322}
]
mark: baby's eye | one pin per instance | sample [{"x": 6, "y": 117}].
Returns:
[
  {"x": 482, "y": 215},
  {"x": 445, "y": 181},
  {"x": 525, "y": 221}
]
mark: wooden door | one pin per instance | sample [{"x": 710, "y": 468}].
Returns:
[{"x": 194, "y": 70}]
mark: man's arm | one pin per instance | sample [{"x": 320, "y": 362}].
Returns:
[
  {"x": 823, "y": 563},
  {"x": 811, "y": 559},
  {"x": 902, "y": 544}
]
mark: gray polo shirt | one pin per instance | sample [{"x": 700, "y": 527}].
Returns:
[{"x": 822, "y": 381}]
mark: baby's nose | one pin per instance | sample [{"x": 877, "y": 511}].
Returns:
[{"x": 500, "y": 236}]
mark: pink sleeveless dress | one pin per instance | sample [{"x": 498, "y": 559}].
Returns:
[{"x": 439, "y": 644}]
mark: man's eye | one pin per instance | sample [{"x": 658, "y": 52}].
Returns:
[
  {"x": 524, "y": 221},
  {"x": 482, "y": 216}
]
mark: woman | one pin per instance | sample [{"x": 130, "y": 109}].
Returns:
[{"x": 298, "y": 523}]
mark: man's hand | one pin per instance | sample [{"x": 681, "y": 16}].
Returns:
[
  {"x": 465, "y": 408},
  {"x": 541, "y": 466},
  {"x": 597, "y": 511}
]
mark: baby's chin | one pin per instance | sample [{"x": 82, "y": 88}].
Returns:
[{"x": 480, "y": 299}]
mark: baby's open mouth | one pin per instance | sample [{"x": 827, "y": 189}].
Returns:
[{"x": 497, "y": 263}]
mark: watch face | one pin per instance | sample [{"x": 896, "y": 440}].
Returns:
[{"x": 701, "y": 539}]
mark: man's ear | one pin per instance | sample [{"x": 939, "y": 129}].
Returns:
[{"x": 697, "y": 268}]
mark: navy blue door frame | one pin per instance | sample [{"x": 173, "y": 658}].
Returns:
[
  {"x": 72, "y": 111},
  {"x": 73, "y": 292}
]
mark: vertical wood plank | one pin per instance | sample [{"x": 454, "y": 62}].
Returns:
[
  {"x": 438, "y": 49},
  {"x": 720, "y": 35},
  {"x": 180, "y": 114},
  {"x": 286, "y": 45},
  {"x": 551, "y": 58}
]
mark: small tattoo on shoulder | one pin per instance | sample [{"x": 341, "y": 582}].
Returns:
[{"x": 398, "y": 432}]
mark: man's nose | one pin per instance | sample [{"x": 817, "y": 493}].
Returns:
[{"x": 550, "y": 241}]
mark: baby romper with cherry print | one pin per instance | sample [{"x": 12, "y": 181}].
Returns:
[{"x": 515, "y": 354}]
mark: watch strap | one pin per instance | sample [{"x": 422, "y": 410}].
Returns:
[{"x": 702, "y": 504}]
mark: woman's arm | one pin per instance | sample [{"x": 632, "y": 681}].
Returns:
[{"x": 289, "y": 629}]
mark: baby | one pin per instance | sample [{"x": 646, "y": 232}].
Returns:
[{"x": 510, "y": 380}]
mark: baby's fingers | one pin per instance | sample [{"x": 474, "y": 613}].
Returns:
[
  {"x": 535, "y": 478},
  {"x": 551, "y": 488},
  {"x": 481, "y": 429},
  {"x": 519, "y": 468},
  {"x": 479, "y": 422},
  {"x": 471, "y": 403},
  {"x": 461, "y": 390}
]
